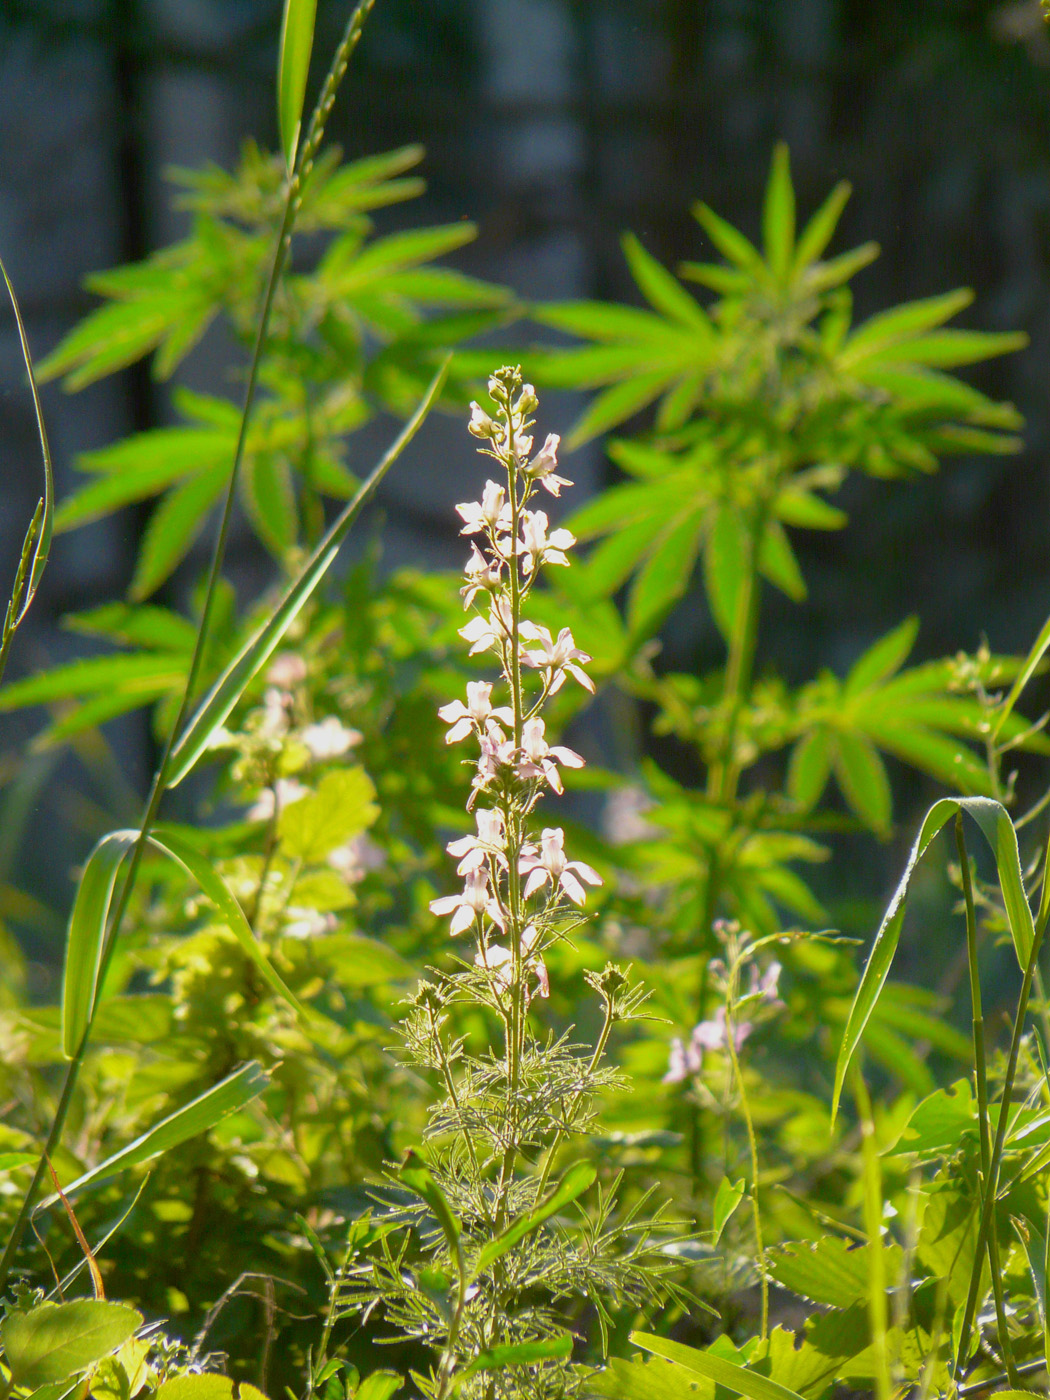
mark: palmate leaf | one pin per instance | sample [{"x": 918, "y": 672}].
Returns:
[{"x": 172, "y": 529}]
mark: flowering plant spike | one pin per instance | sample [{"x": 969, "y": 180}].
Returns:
[{"x": 495, "y": 1278}]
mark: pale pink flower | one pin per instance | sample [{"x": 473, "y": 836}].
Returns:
[
  {"x": 542, "y": 466},
  {"x": 466, "y": 907},
  {"x": 540, "y": 548},
  {"x": 474, "y": 714},
  {"x": 558, "y": 657},
  {"x": 480, "y": 425},
  {"x": 330, "y": 738},
  {"x": 547, "y": 865},
  {"x": 307, "y": 923},
  {"x": 482, "y": 576},
  {"x": 490, "y": 841},
  {"x": 491, "y": 513},
  {"x": 275, "y": 712},
  {"x": 499, "y": 960},
  {"x": 539, "y": 760},
  {"x": 714, "y": 1034},
  {"x": 289, "y": 790},
  {"x": 286, "y": 670},
  {"x": 683, "y": 1061},
  {"x": 765, "y": 986},
  {"x": 485, "y": 635},
  {"x": 356, "y": 857}
]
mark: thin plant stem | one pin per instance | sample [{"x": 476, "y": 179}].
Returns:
[
  {"x": 877, "y": 1312},
  {"x": 293, "y": 201},
  {"x": 574, "y": 1107},
  {"x": 992, "y": 1183},
  {"x": 980, "y": 1072},
  {"x": 752, "y": 1143}
]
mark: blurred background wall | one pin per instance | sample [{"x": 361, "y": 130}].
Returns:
[{"x": 557, "y": 124}]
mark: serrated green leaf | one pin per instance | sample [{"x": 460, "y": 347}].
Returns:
[
  {"x": 808, "y": 512},
  {"x": 614, "y": 406},
  {"x": 830, "y": 1271},
  {"x": 644, "y": 1380},
  {"x": 662, "y": 291},
  {"x": 862, "y": 777},
  {"x": 666, "y": 574},
  {"x": 818, "y": 232},
  {"x": 293, "y": 65},
  {"x": 778, "y": 216},
  {"x": 884, "y": 659},
  {"x": 730, "y": 242},
  {"x": 56, "y": 1341},
  {"x": 269, "y": 497},
  {"x": 172, "y": 529},
  {"x": 777, "y": 562},
  {"x": 725, "y": 560},
  {"x": 810, "y": 767},
  {"x": 342, "y": 807},
  {"x": 157, "y": 629}
]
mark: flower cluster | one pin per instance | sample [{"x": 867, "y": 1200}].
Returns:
[{"x": 514, "y": 879}]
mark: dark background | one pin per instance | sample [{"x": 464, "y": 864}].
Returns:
[{"x": 557, "y": 124}]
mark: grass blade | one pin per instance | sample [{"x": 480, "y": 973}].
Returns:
[
  {"x": 736, "y": 1379},
  {"x": 293, "y": 65},
  {"x": 575, "y": 1181},
  {"x": 230, "y": 686},
  {"x": 87, "y": 935}
]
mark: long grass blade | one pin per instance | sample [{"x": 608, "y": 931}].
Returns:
[{"x": 293, "y": 65}]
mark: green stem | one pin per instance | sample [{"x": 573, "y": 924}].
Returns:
[
  {"x": 293, "y": 200},
  {"x": 448, "y": 1360},
  {"x": 992, "y": 1183},
  {"x": 752, "y": 1144},
  {"x": 573, "y": 1109},
  {"x": 980, "y": 1072}
]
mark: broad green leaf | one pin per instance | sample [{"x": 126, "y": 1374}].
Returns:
[
  {"x": 662, "y": 291},
  {"x": 293, "y": 65},
  {"x": 862, "y": 777},
  {"x": 56, "y": 1341},
  {"x": 727, "y": 1198},
  {"x": 778, "y": 216},
  {"x": 884, "y": 659},
  {"x": 228, "y": 689},
  {"x": 725, "y": 560},
  {"x": 521, "y": 1354},
  {"x": 576, "y": 1180},
  {"x": 665, "y": 575},
  {"x": 809, "y": 768},
  {"x": 232, "y": 1094},
  {"x": 818, "y": 232},
  {"x": 829, "y": 1271},
  {"x": 380, "y": 1385},
  {"x": 342, "y": 807},
  {"x": 600, "y": 320},
  {"x": 172, "y": 529},
  {"x": 85, "y": 943},
  {"x": 947, "y": 1242},
  {"x": 999, "y": 832},
  {"x": 736, "y": 1379},
  {"x": 206, "y": 1387},
  {"x": 644, "y": 1380},
  {"x": 363, "y": 962},
  {"x": 10, "y": 1161},
  {"x": 211, "y": 883}
]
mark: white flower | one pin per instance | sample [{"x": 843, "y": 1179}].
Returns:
[
  {"x": 287, "y": 669},
  {"x": 490, "y": 841},
  {"x": 288, "y": 790},
  {"x": 466, "y": 907},
  {"x": 558, "y": 657},
  {"x": 540, "y": 548},
  {"x": 307, "y": 923},
  {"x": 487, "y": 635},
  {"x": 496, "y": 752},
  {"x": 275, "y": 707},
  {"x": 499, "y": 960},
  {"x": 330, "y": 738},
  {"x": 474, "y": 714},
  {"x": 541, "y": 468},
  {"x": 537, "y": 757},
  {"x": 493, "y": 512},
  {"x": 482, "y": 576},
  {"x": 548, "y": 865}
]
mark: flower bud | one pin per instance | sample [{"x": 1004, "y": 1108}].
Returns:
[{"x": 481, "y": 425}]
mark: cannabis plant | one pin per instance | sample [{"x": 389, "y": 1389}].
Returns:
[{"x": 485, "y": 1268}]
